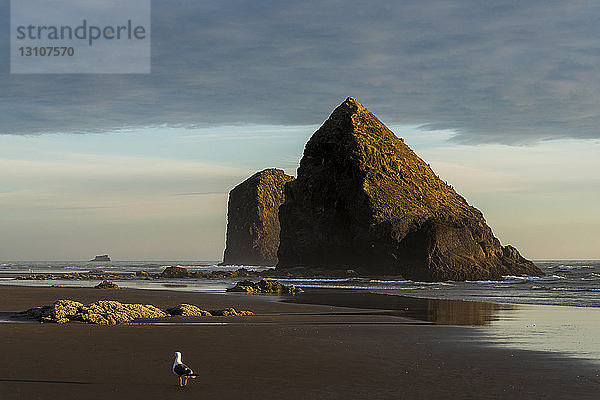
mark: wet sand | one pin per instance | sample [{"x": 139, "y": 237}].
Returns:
[{"x": 292, "y": 351}]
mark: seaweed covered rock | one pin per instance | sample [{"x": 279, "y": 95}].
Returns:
[
  {"x": 104, "y": 312},
  {"x": 265, "y": 286},
  {"x": 188, "y": 310},
  {"x": 253, "y": 221},
  {"x": 175, "y": 272},
  {"x": 59, "y": 312},
  {"x": 108, "y": 312},
  {"x": 364, "y": 200},
  {"x": 105, "y": 284},
  {"x": 230, "y": 312}
]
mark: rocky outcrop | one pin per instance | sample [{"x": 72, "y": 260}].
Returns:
[
  {"x": 188, "y": 310},
  {"x": 103, "y": 312},
  {"x": 230, "y": 312},
  {"x": 106, "y": 312},
  {"x": 103, "y": 257},
  {"x": 106, "y": 285},
  {"x": 264, "y": 286},
  {"x": 364, "y": 200},
  {"x": 252, "y": 219},
  {"x": 175, "y": 272},
  {"x": 167, "y": 273}
]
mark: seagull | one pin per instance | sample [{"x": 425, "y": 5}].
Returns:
[{"x": 182, "y": 371}]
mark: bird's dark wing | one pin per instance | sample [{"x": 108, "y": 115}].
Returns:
[{"x": 182, "y": 370}]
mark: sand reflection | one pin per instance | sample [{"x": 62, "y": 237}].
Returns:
[{"x": 437, "y": 311}]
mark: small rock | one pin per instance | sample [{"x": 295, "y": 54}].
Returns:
[
  {"x": 264, "y": 286},
  {"x": 175, "y": 272},
  {"x": 230, "y": 312},
  {"x": 106, "y": 285},
  {"x": 188, "y": 310}
]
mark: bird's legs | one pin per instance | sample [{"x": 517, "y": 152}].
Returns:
[
  {"x": 180, "y": 381},
  {"x": 185, "y": 381}
]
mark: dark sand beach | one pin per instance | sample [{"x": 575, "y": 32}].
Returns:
[{"x": 289, "y": 350}]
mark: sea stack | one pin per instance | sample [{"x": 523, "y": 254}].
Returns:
[
  {"x": 103, "y": 257},
  {"x": 364, "y": 200},
  {"x": 253, "y": 221}
]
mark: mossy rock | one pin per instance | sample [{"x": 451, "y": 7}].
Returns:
[
  {"x": 364, "y": 200},
  {"x": 265, "y": 287},
  {"x": 253, "y": 220},
  {"x": 104, "y": 312},
  {"x": 106, "y": 285},
  {"x": 188, "y": 310}
]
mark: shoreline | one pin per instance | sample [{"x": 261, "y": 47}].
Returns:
[
  {"x": 180, "y": 285},
  {"x": 300, "y": 350}
]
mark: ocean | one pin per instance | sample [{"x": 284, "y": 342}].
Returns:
[{"x": 567, "y": 282}]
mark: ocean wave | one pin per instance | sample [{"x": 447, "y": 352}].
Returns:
[
  {"x": 591, "y": 277},
  {"x": 572, "y": 289},
  {"x": 573, "y": 267},
  {"x": 562, "y": 289},
  {"x": 237, "y": 266},
  {"x": 379, "y": 281},
  {"x": 358, "y": 287},
  {"x": 311, "y": 279},
  {"x": 533, "y": 278}
]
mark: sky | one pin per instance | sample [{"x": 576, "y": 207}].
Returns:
[{"x": 501, "y": 98}]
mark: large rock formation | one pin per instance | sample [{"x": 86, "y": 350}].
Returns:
[
  {"x": 364, "y": 200},
  {"x": 252, "y": 219}
]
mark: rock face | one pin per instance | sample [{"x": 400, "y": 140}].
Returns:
[
  {"x": 364, "y": 200},
  {"x": 252, "y": 219}
]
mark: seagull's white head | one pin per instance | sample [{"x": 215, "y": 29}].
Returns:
[{"x": 178, "y": 356}]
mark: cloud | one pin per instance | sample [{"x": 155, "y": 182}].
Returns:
[{"x": 494, "y": 72}]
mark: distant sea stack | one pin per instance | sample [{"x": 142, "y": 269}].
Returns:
[
  {"x": 364, "y": 200},
  {"x": 253, "y": 221},
  {"x": 104, "y": 257}
]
